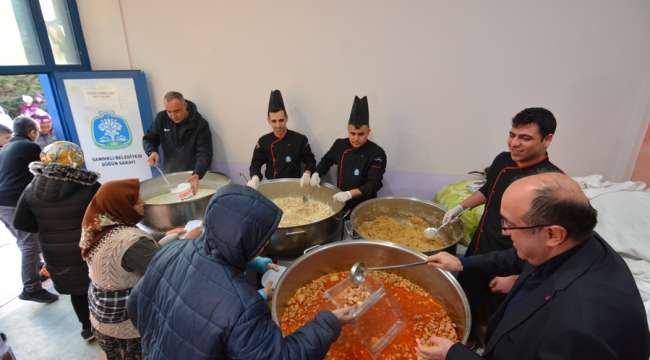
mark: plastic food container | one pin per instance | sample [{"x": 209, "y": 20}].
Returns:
[
  {"x": 273, "y": 276},
  {"x": 377, "y": 316},
  {"x": 183, "y": 191},
  {"x": 193, "y": 224}
]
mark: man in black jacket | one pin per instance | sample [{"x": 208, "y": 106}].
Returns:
[
  {"x": 282, "y": 151},
  {"x": 575, "y": 298},
  {"x": 184, "y": 136},
  {"x": 360, "y": 162},
  {"x": 14, "y": 177}
]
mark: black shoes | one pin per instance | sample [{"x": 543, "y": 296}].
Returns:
[
  {"x": 41, "y": 296},
  {"x": 87, "y": 334}
]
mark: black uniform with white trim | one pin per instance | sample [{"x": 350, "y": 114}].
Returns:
[
  {"x": 283, "y": 157},
  {"x": 361, "y": 168}
]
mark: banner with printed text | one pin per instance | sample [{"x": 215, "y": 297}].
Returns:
[{"x": 108, "y": 123}]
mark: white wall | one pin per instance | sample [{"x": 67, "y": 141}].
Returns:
[{"x": 443, "y": 78}]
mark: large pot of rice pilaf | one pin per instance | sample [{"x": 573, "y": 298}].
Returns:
[
  {"x": 303, "y": 225},
  {"x": 338, "y": 257},
  {"x": 402, "y": 220}
]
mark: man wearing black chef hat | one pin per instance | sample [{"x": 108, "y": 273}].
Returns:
[
  {"x": 283, "y": 151},
  {"x": 360, "y": 162}
]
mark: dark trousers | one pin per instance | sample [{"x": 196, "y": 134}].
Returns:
[
  {"x": 30, "y": 250},
  {"x": 483, "y": 303},
  {"x": 119, "y": 349},
  {"x": 80, "y": 306}
]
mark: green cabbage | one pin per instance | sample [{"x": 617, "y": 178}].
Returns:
[{"x": 452, "y": 195}]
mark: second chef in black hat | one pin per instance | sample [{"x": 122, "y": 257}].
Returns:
[{"x": 361, "y": 163}]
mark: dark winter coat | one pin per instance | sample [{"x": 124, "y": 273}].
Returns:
[
  {"x": 194, "y": 301},
  {"x": 185, "y": 146},
  {"x": 14, "y": 168},
  {"x": 53, "y": 205}
]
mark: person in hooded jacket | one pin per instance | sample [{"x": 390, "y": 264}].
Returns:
[
  {"x": 184, "y": 137},
  {"x": 53, "y": 205},
  {"x": 194, "y": 301}
]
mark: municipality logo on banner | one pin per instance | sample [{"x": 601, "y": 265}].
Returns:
[{"x": 111, "y": 131}]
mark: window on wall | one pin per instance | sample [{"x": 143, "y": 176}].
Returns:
[
  {"x": 21, "y": 45},
  {"x": 41, "y": 36}
]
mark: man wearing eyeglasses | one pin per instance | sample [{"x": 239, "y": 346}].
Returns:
[
  {"x": 530, "y": 136},
  {"x": 574, "y": 299}
]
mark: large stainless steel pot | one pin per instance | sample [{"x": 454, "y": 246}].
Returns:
[
  {"x": 340, "y": 256},
  {"x": 293, "y": 240},
  {"x": 403, "y": 207},
  {"x": 168, "y": 216}
]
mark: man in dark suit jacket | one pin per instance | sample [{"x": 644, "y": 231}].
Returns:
[{"x": 575, "y": 297}]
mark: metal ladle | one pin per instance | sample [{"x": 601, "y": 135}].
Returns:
[
  {"x": 431, "y": 232},
  {"x": 359, "y": 270},
  {"x": 307, "y": 196},
  {"x": 163, "y": 176}
]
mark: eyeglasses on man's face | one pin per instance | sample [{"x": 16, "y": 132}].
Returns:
[{"x": 505, "y": 226}]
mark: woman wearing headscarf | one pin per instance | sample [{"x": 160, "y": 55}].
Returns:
[
  {"x": 117, "y": 253},
  {"x": 53, "y": 205}
]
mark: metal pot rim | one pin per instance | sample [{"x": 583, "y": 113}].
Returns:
[
  {"x": 320, "y": 248},
  {"x": 411, "y": 198},
  {"x": 191, "y": 200}
]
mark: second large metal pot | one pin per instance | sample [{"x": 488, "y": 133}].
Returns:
[
  {"x": 340, "y": 256},
  {"x": 168, "y": 216},
  {"x": 403, "y": 207},
  {"x": 293, "y": 240}
]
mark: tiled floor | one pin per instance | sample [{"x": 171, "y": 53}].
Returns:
[{"x": 37, "y": 331}]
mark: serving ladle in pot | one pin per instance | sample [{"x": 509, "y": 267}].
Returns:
[
  {"x": 307, "y": 196},
  {"x": 431, "y": 232},
  {"x": 163, "y": 176},
  {"x": 359, "y": 270}
]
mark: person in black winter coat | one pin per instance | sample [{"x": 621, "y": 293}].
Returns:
[
  {"x": 194, "y": 301},
  {"x": 15, "y": 158},
  {"x": 53, "y": 205},
  {"x": 184, "y": 137}
]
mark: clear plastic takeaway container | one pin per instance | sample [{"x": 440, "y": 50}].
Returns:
[{"x": 377, "y": 316}]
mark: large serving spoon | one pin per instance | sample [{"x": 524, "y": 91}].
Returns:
[
  {"x": 359, "y": 270},
  {"x": 307, "y": 196},
  {"x": 163, "y": 176},
  {"x": 431, "y": 232}
]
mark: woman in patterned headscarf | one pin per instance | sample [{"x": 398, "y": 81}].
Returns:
[
  {"x": 53, "y": 206},
  {"x": 117, "y": 253}
]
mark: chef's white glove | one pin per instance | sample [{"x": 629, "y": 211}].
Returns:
[
  {"x": 342, "y": 196},
  {"x": 305, "y": 179},
  {"x": 452, "y": 214},
  {"x": 254, "y": 182},
  {"x": 315, "y": 179}
]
